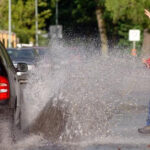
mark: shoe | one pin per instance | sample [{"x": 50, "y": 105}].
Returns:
[{"x": 144, "y": 130}]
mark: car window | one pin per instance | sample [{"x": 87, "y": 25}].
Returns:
[
  {"x": 7, "y": 59},
  {"x": 2, "y": 72},
  {"x": 12, "y": 53},
  {"x": 0, "y": 68},
  {"x": 27, "y": 54}
]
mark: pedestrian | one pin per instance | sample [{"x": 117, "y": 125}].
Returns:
[
  {"x": 146, "y": 129},
  {"x": 146, "y": 62}
]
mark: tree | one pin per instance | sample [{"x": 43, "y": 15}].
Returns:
[
  {"x": 23, "y": 17},
  {"x": 101, "y": 25},
  {"x": 87, "y": 12},
  {"x": 78, "y": 16},
  {"x": 81, "y": 16},
  {"x": 4, "y": 18},
  {"x": 131, "y": 13}
]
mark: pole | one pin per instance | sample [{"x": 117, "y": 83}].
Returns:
[
  {"x": 56, "y": 12},
  {"x": 134, "y": 44},
  {"x": 133, "y": 52},
  {"x": 36, "y": 22},
  {"x": 56, "y": 19},
  {"x": 9, "y": 28}
]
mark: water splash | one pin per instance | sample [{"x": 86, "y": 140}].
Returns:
[{"x": 81, "y": 92}]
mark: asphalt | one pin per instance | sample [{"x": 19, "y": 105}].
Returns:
[
  {"x": 130, "y": 115},
  {"x": 123, "y": 134}
]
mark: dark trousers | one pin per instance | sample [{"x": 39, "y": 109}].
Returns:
[{"x": 148, "y": 117}]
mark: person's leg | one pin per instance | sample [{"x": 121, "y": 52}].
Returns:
[
  {"x": 148, "y": 117},
  {"x": 146, "y": 129}
]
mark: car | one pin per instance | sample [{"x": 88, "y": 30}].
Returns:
[
  {"x": 28, "y": 56},
  {"x": 10, "y": 92},
  {"x": 12, "y": 53},
  {"x": 42, "y": 51}
]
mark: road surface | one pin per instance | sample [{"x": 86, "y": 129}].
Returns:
[{"x": 130, "y": 114}]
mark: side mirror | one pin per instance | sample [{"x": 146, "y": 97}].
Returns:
[{"x": 22, "y": 67}]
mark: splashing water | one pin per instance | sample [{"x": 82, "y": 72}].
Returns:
[{"x": 71, "y": 96}]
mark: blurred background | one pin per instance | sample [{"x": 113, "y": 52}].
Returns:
[{"x": 38, "y": 22}]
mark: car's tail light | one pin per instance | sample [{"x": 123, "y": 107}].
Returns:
[{"x": 4, "y": 88}]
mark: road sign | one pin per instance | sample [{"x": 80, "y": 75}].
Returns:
[
  {"x": 134, "y": 35},
  {"x": 55, "y": 31}
]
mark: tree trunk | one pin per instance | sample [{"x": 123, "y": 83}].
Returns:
[
  {"x": 102, "y": 32},
  {"x": 146, "y": 44}
]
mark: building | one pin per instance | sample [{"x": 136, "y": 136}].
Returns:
[{"x": 4, "y": 36}]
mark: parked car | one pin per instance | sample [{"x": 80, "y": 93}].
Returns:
[
  {"x": 28, "y": 56},
  {"x": 12, "y": 53},
  {"x": 41, "y": 51},
  {"x": 10, "y": 93}
]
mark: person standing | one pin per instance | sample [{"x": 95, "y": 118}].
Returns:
[{"x": 146, "y": 129}]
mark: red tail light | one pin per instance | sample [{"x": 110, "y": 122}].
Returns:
[{"x": 4, "y": 88}]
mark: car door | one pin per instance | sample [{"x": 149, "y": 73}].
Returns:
[{"x": 11, "y": 71}]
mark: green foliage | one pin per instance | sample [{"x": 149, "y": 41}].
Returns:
[
  {"x": 23, "y": 17},
  {"x": 128, "y": 14},
  {"x": 43, "y": 40},
  {"x": 123, "y": 33},
  {"x": 3, "y": 15},
  {"x": 78, "y": 15},
  {"x": 129, "y": 10},
  {"x": 82, "y": 12},
  {"x": 100, "y": 3}
]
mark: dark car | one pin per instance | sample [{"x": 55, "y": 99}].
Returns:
[
  {"x": 42, "y": 51},
  {"x": 23, "y": 55},
  {"x": 9, "y": 84},
  {"x": 12, "y": 53}
]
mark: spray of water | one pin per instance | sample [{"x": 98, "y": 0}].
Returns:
[
  {"x": 72, "y": 95},
  {"x": 8, "y": 140}
]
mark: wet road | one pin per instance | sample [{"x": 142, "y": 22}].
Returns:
[
  {"x": 130, "y": 114},
  {"x": 123, "y": 134}
]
